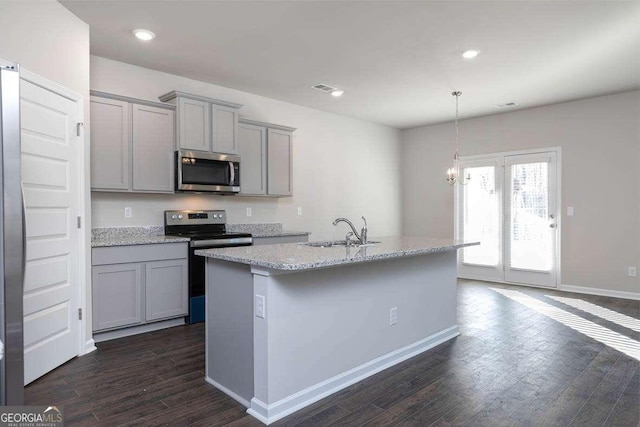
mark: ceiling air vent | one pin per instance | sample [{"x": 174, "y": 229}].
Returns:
[
  {"x": 507, "y": 105},
  {"x": 323, "y": 87}
]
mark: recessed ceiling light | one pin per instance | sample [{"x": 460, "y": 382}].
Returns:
[
  {"x": 145, "y": 35},
  {"x": 337, "y": 93},
  {"x": 468, "y": 54}
]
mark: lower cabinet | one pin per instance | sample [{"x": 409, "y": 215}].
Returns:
[
  {"x": 165, "y": 293},
  {"x": 133, "y": 293},
  {"x": 117, "y": 296}
]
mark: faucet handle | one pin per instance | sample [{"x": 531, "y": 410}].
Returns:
[{"x": 365, "y": 222}]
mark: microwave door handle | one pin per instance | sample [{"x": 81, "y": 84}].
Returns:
[{"x": 232, "y": 174}]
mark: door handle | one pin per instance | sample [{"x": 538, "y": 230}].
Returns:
[
  {"x": 552, "y": 225},
  {"x": 232, "y": 174}
]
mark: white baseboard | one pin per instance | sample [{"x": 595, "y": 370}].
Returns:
[
  {"x": 600, "y": 292},
  {"x": 135, "y": 330},
  {"x": 89, "y": 346},
  {"x": 565, "y": 288},
  {"x": 269, "y": 413},
  {"x": 225, "y": 390}
]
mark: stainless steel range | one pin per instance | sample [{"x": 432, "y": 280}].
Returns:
[{"x": 206, "y": 229}]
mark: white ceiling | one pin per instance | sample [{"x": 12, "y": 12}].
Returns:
[{"x": 397, "y": 61}]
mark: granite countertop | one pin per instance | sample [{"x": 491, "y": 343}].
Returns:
[
  {"x": 270, "y": 229},
  {"x": 299, "y": 256},
  {"x": 154, "y": 234},
  {"x": 126, "y": 236}
]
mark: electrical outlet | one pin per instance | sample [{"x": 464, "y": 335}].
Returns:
[
  {"x": 632, "y": 272},
  {"x": 260, "y": 306},
  {"x": 128, "y": 212},
  {"x": 249, "y": 212},
  {"x": 299, "y": 210},
  {"x": 569, "y": 210},
  {"x": 393, "y": 316}
]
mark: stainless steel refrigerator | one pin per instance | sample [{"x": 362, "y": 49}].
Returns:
[{"x": 12, "y": 240}]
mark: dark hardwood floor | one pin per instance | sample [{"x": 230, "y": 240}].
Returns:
[{"x": 511, "y": 365}]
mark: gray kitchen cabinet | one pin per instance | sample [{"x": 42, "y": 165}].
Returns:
[
  {"x": 165, "y": 293},
  {"x": 153, "y": 148},
  {"x": 132, "y": 144},
  {"x": 265, "y": 159},
  {"x": 139, "y": 284},
  {"x": 205, "y": 124},
  {"x": 279, "y": 153},
  {"x": 117, "y": 295},
  {"x": 224, "y": 122},
  {"x": 110, "y": 143},
  {"x": 194, "y": 124},
  {"x": 252, "y": 148}
]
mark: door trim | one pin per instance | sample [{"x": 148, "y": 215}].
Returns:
[
  {"x": 83, "y": 243},
  {"x": 559, "y": 210}
]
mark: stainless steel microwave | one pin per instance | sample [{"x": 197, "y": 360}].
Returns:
[{"x": 207, "y": 172}]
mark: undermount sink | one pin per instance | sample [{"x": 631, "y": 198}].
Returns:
[{"x": 338, "y": 244}]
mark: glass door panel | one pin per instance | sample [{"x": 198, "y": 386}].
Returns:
[
  {"x": 480, "y": 219},
  {"x": 531, "y": 231}
]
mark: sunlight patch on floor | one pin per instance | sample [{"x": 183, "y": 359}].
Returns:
[
  {"x": 599, "y": 333},
  {"x": 601, "y": 312}
]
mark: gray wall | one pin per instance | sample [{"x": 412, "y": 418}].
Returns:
[
  {"x": 600, "y": 140},
  {"x": 341, "y": 166}
]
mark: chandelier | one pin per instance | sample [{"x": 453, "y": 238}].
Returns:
[{"x": 453, "y": 173}]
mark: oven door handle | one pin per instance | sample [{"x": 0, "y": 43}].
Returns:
[
  {"x": 232, "y": 174},
  {"x": 220, "y": 243}
]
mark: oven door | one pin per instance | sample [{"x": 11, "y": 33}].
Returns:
[
  {"x": 211, "y": 172},
  {"x": 197, "y": 283}
]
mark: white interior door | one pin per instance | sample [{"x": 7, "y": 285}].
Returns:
[
  {"x": 50, "y": 180},
  {"x": 510, "y": 205},
  {"x": 531, "y": 219}
]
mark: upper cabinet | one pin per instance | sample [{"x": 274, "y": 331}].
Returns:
[
  {"x": 265, "y": 159},
  {"x": 205, "y": 124},
  {"x": 132, "y": 144},
  {"x": 110, "y": 143}
]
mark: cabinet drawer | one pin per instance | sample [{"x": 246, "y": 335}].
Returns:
[{"x": 138, "y": 253}]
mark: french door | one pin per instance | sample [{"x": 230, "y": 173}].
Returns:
[{"x": 510, "y": 205}]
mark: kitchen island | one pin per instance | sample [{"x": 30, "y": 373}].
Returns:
[{"x": 290, "y": 324}]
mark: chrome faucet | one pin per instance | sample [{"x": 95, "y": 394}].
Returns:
[{"x": 362, "y": 236}]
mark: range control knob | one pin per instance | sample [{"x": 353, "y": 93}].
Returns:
[
  {"x": 179, "y": 216},
  {"x": 221, "y": 216},
  {"x": 174, "y": 216}
]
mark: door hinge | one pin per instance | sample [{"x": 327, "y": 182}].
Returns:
[
  {"x": 79, "y": 222},
  {"x": 79, "y": 314},
  {"x": 78, "y": 126}
]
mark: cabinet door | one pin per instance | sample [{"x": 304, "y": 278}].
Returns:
[
  {"x": 117, "y": 293},
  {"x": 153, "y": 148},
  {"x": 166, "y": 289},
  {"x": 225, "y": 129},
  {"x": 194, "y": 125},
  {"x": 279, "y": 163},
  {"x": 252, "y": 147},
  {"x": 110, "y": 144}
]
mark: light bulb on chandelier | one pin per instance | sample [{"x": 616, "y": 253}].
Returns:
[{"x": 453, "y": 173}]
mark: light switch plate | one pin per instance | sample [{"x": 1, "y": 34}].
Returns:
[
  {"x": 569, "y": 210},
  {"x": 249, "y": 212},
  {"x": 632, "y": 272},
  {"x": 260, "y": 306},
  {"x": 128, "y": 212},
  {"x": 299, "y": 210},
  {"x": 393, "y": 316}
]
